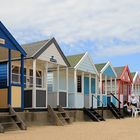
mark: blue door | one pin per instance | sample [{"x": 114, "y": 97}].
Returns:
[
  {"x": 93, "y": 85},
  {"x": 86, "y": 85},
  {"x": 3, "y": 75}
]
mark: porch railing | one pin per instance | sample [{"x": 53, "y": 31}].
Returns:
[
  {"x": 116, "y": 100},
  {"x": 102, "y": 108}
]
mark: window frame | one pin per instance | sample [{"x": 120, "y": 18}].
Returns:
[{"x": 79, "y": 85}]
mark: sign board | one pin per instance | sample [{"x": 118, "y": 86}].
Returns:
[{"x": 2, "y": 41}]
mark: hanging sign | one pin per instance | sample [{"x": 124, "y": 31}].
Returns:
[{"x": 2, "y": 41}]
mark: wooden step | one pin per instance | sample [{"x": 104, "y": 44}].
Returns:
[
  {"x": 60, "y": 112},
  {"x": 9, "y": 123},
  {"x": 60, "y": 117},
  {"x": 8, "y": 115},
  {"x": 93, "y": 115},
  {"x": 115, "y": 111},
  {"x": 65, "y": 118},
  {"x": 15, "y": 119}
]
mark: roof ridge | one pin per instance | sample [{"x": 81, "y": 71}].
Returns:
[
  {"x": 76, "y": 54},
  {"x": 119, "y": 66},
  {"x": 36, "y": 42},
  {"x": 101, "y": 63}
]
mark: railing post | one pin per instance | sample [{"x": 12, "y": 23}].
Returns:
[
  {"x": 92, "y": 101},
  {"x": 102, "y": 111},
  {"x": 119, "y": 106},
  {"x": 117, "y": 100},
  {"x": 100, "y": 102}
]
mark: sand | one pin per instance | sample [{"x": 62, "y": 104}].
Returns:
[{"x": 111, "y": 129}]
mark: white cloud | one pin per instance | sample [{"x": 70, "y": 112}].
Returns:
[
  {"x": 71, "y": 21},
  {"x": 118, "y": 51}
]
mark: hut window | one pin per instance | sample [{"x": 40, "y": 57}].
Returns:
[
  {"x": 50, "y": 81},
  {"x": 79, "y": 84},
  {"x": 25, "y": 77},
  {"x": 15, "y": 75},
  {"x": 38, "y": 78},
  {"x": 31, "y": 78}
]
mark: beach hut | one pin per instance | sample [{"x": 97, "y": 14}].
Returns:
[
  {"x": 45, "y": 75},
  {"x": 136, "y": 84},
  {"x": 10, "y": 93},
  {"x": 124, "y": 83},
  {"x": 82, "y": 81},
  {"x": 107, "y": 83}
]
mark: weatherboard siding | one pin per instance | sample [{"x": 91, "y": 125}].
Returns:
[
  {"x": 71, "y": 82},
  {"x": 86, "y": 100},
  {"x": 52, "y": 99},
  {"x": 62, "y": 80},
  {"x": 52, "y": 51},
  {"x": 86, "y": 65},
  {"x": 109, "y": 72},
  {"x": 71, "y": 100},
  {"x": 79, "y": 100},
  {"x": 94, "y": 102}
]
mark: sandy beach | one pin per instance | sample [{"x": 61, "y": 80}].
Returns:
[{"x": 124, "y": 129}]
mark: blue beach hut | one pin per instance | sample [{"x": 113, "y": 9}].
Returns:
[
  {"x": 10, "y": 94},
  {"x": 107, "y": 83}
]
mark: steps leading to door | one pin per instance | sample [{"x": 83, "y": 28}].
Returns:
[
  {"x": 115, "y": 111},
  {"x": 59, "y": 117},
  {"x": 10, "y": 118},
  {"x": 94, "y": 115}
]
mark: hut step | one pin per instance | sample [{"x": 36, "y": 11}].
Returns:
[
  {"x": 8, "y": 123},
  {"x": 93, "y": 115},
  {"x": 7, "y": 115},
  {"x": 59, "y": 117},
  {"x": 115, "y": 111},
  {"x": 14, "y": 119}
]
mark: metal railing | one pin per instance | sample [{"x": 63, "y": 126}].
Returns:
[
  {"x": 93, "y": 96},
  {"x": 116, "y": 99}
]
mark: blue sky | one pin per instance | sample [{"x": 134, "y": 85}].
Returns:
[{"x": 108, "y": 29}]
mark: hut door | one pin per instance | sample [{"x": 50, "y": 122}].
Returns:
[
  {"x": 62, "y": 99},
  {"x": 86, "y": 91},
  {"x": 3, "y": 85}
]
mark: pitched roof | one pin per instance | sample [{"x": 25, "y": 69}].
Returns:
[
  {"x": 35, "y": 49},
  {"x": 133, "y": 74},
  {"x": 10, "y": 41},
  {"x": 100, "y": 66},
  {"x": 119, "y": 70},
  {"x": 32, "y": 48},
  {"x": 74, "y": 59}
]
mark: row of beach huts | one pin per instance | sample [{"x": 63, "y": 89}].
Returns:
[{"x": 39, "y": 74}]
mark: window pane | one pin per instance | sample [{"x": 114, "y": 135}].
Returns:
[
  {"x": 39, "y": 82},
  {"x": 15, "y": 70},
  {"x": 31, "y": 72},
  {"x": 38, "y": 74},
  {"x": 79, "y": 84},
  {"x": 15, "y": 78}
]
